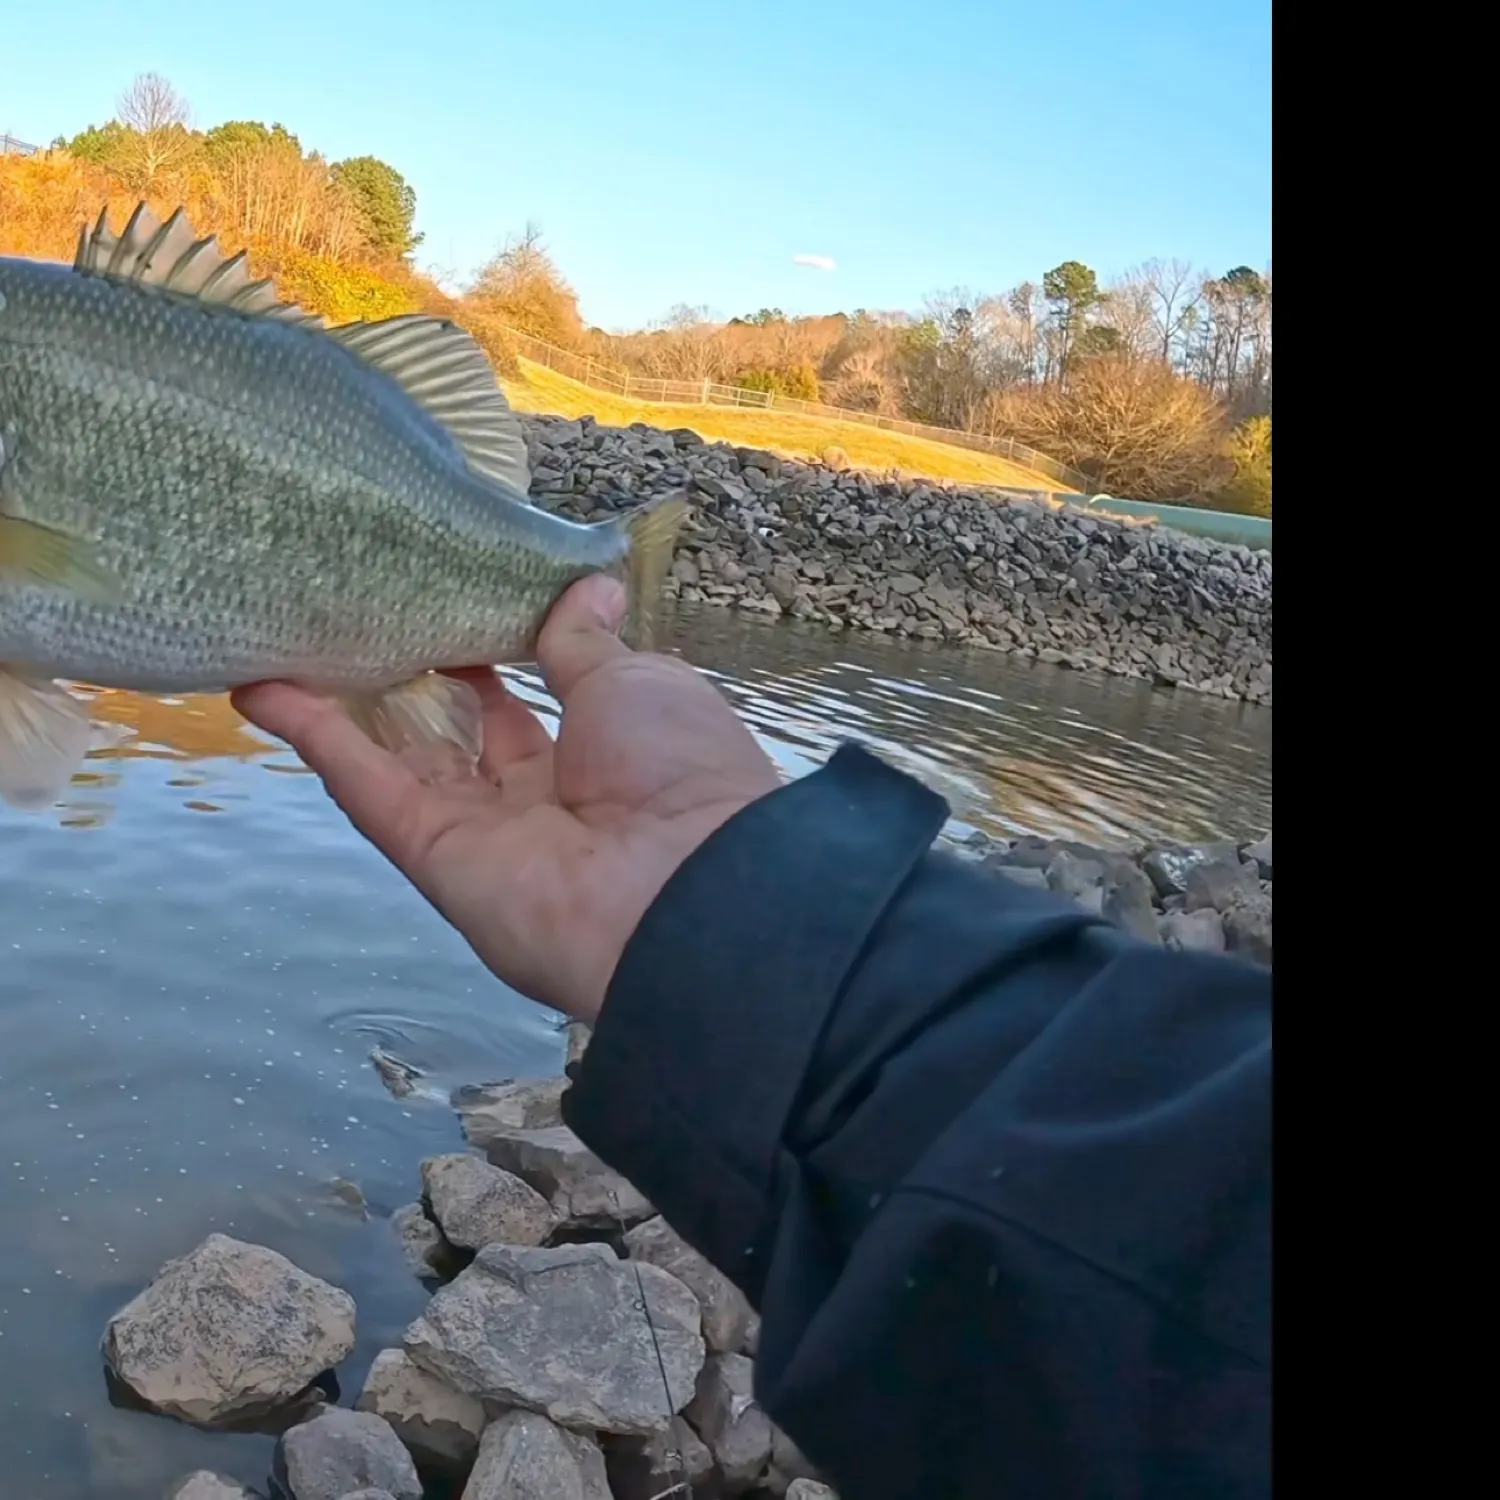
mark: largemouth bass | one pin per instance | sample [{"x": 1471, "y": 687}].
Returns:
[{"x": 203, "y": 486}]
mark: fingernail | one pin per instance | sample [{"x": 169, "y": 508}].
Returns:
[{"x": 607, "y": 601}]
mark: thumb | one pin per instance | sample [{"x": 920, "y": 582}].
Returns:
[{"x": 578, "y": 634}]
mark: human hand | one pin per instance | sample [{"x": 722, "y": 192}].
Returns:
[{"x": 548, "y": 858}]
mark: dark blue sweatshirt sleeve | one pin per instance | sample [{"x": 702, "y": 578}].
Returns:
[{"x": 996, "y": 1175}]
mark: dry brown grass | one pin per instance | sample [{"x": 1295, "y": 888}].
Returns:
[{"x": 538, "y": 389}]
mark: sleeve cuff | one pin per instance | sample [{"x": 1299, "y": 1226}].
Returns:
[{"x": 722, "y": 993}]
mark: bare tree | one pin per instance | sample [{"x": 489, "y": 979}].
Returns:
[
  {"x": 1129, "y": 308},
  {"x": 151, "y": 104},
  {"x": 1175, "y": 293},
  {"x": 686, "y": 345},
  {"x": 157, "y": 115}
]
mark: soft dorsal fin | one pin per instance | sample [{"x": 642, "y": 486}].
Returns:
[
  {"x": 446, "y": 373},
  {"x": 171, "y": 257}
]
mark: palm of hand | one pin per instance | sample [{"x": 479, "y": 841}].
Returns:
[{"x": 547, "y": 859}]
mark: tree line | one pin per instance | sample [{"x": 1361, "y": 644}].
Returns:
[{"x": 1157, "y": 383}]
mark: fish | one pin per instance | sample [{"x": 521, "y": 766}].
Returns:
[{"x": 203, "y": 485}]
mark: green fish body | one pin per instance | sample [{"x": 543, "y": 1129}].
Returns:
[{"x": 202, "y": 487}]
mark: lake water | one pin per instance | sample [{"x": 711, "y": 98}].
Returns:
[{"x": 197, "y": 955}]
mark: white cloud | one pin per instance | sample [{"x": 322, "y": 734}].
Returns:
[{"x": 817, "y": 262}]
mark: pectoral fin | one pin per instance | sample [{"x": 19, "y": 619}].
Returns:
[
  {"x": 33, "y": 553},
  {"x": 45, "y": 732},
  {"x": 433, "y": 722}
]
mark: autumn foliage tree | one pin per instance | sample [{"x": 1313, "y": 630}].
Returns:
[
  {"x": 1139, "y": 429},
  {"x": 523, "y": 289}
]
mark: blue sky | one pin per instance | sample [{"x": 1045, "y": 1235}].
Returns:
[{"x": 685, "y": 153}]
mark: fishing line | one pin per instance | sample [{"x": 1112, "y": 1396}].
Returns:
[{"x": 672, "y": 1453}]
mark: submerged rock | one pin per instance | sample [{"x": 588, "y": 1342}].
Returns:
[
  {"x": 560, "y": 1331},
  {"x": 203, "y": 1484},
  {"x": 516, "y": 1104},
  {"x": 230, "y": 1330},
  {"x": 726, "y": 1313},
  {"x": 423, "y": 1247},
  {"x": 523, "y": 1456},
  {"x": 439, "y": 1425},
  {"x": 339, "y": 1452},
  {"x": 810, "y": 1489},
  {"x": 476, "y": 1204}
]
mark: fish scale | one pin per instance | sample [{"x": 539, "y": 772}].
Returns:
[{"x": 202, "y": 487}]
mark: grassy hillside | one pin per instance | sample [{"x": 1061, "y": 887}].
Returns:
[{"x": 538, "y": 389}]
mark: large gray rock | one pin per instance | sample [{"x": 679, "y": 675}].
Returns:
[
  {"x": 1219, "y": 883},
  {"x": 730, "y": 1420},
  {"x": 439, "y": 1425},
  {"x": 1259, "y": 853},
  {"x": 810, "y": 1489},
  {"x": 560, "y": 1331},
  {"x": 369, "y": 1495},
  {"x": 516, "y": 1104},
  {"x": 203, "y": 1484},
  {"x": 1031, "y": 876},
  {"x": 1199, "y": 931},
  {"x": 1168, "y": 868},
  {"x": 523, "y": 1456},
  {"x": 1247, "y": 926},
  {"x": 1128, "y": 900},
  {"x": 580, "y": 1188},
  {"x": 579, "y": 1037},
  {"x": 228, "y": 1331},
  {"x": 1110, "y": 886},
  {"x": 338, "y": 1452},
  {"x": 726, "y": 1313},
  {"x": 476, "y": 1204},
  {"x": 788, "y": 1464},
  {"x": 647, "y": 1468},
  {"x": 1080, "y": 880}
]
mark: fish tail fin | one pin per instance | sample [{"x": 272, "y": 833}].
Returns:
[{"x": 651, "y": 530}]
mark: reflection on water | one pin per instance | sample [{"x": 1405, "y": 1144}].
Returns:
[{"x": 188, "y": 1002}]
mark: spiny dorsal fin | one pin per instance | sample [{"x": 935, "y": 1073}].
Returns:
[
  {"x": 445, "y": 372},
  {"x": 170, "y": 257}
]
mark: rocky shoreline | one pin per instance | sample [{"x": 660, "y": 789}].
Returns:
[
  {"x": 534, "y": 1371},
  {"x": 532, "y": 1374},
  {"x": 1208, "y": 898},
  {"x": 927, "y": 560}
]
